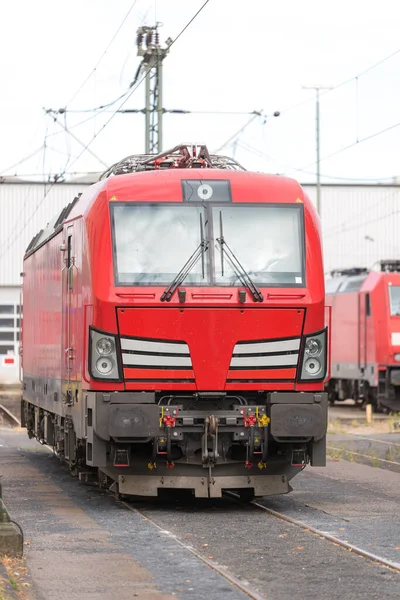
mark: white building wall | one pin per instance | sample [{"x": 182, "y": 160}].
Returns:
[
  {"x": 360, "y": 223},
  {"x": 10, "y": 315},
  {"x": 24, "y": 210}
]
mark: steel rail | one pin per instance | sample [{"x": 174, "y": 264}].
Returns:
[
  {"x": 363, "y": 437},
  {"x": 12, "y": 419},
  {"x": 331, "y": 538},
  {"x": 370, "y": 458},
  {"x": 210, "y": 563}
]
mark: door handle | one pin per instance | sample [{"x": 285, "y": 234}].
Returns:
[{"x": 70, "y": 353}]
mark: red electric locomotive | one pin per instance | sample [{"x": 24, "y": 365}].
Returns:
[
  {"x": 366, "y": 335},
  {"x": 174, "y": 328}
]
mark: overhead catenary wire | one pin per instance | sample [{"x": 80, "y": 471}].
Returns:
[
  {"x": 64, "y": 126},
  {"x": 92, "y": 116},
  {"x": 38, "y": 150},
  {"x": 23, "y": 160},
  {"x": 353, "y": 144},
  {"x": 103, "y": 54},
  {"x": 247, "y": 147},
  {"x": 49, "y": 177},
  {"x": 132, "y": 91},
  {"x": 342, "y": 83},
  {"x": 173, "y": 111},
  {"x": 308, "y": 100},
  {"x": 235, "y": 135}
]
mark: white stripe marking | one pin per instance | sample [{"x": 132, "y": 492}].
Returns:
[
  {"x": 156, "y": 361},
  {"x": 148, "y": 346},
  {"x": 288, "y": 360},
  {"x": 258, "y": 347}
]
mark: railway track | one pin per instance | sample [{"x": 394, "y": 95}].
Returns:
[
  {"x": 7, "y": 418},
  {"x": 269, "y": 535},
  {"x": 366, "y": 457},
  {"x": 242, "y": 584},
  {"x": 378, "y": 452},
  {"x": 329, "y": 537}
]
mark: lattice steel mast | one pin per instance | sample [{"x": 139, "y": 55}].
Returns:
[{"x": 148, "y": 46}]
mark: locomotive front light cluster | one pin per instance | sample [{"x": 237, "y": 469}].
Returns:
[
  {"x": 103, "y": 356},
  {"x": 314, "y": 357}
]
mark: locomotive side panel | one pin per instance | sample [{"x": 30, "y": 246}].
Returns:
[
  {"x": 345, "y": 335},
  {"x": 53, "y": 333},
  {"x": 43, "y": 325},
  {"x": 73, "y": 335}
]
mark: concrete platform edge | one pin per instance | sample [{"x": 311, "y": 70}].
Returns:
[{"x": 11, "y": 538}]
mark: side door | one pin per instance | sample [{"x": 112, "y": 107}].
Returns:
[
  {"x": 364, "y": 309},
  {"x": 68, "y": 366}
]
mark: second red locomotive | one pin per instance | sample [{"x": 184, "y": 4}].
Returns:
[
  {"x": 174, "y": 328},
  {"x": 366, "y": 335}
]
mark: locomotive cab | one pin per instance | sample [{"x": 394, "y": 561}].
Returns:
[{"x": 194, "y": 345}]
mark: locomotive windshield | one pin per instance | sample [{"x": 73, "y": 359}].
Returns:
[{"x": 153, "y": 241}]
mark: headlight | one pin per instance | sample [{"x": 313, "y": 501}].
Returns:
[
  {"x": 104, "y": 365},
  {"x": 105, "y": 346},
  {"x": 313, "y": 367},
  {"x": 103, "y": 359},
  {"x": 313, "y": 347}
]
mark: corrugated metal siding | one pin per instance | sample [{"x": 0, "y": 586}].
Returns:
[
  {"x": 360, "y": 224},
  {"x": 23, "y": 212}
]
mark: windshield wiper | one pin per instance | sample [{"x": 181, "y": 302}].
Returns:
[
  {"x": 236, "y": 265},
  {"x": 188, "y": 266}
]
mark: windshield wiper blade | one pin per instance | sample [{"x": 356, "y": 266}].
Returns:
[
  {"x": 187, "y": 267},
  {"x": 237, "y": 266}
]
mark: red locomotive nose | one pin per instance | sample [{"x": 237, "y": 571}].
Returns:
[{"x": 207, "y": 348}]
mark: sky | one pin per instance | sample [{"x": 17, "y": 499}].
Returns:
[{"x": 234, "y": 57}]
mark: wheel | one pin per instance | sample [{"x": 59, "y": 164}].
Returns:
[{"x": 361, "y": 402}]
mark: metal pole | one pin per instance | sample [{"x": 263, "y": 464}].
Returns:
[
  {"x": 147, "y": 114},
  {"x": 317, "y": 89},
  {"x": 160, "y": 106}
]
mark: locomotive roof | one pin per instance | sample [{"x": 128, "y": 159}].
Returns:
[{"x": 352, "y": 279}]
